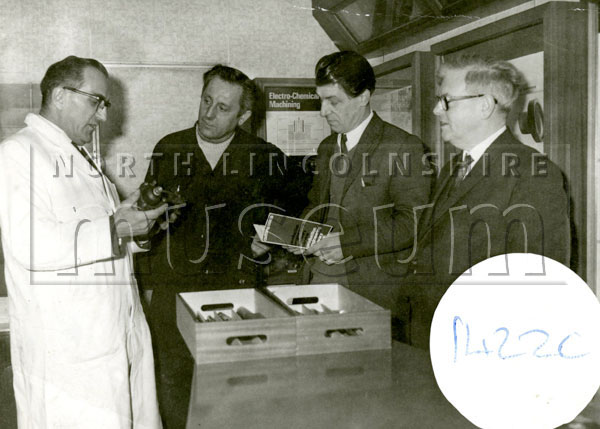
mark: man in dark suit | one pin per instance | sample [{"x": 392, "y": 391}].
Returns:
[
  {"x": 226, "y": 176},
  {"x": 369, "y": 176},
  {"x": 496, "y": 196}
]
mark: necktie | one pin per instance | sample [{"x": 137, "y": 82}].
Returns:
[
  {"x": 463, "y": 169},
  {"x": 83, "y": 152},
  {"x": 343, "y": 146}
]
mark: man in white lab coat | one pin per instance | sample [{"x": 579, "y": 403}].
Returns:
[{"x": 80, "y": 346}]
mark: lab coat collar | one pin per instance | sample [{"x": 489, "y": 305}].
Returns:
[
  {"x": 66, "y": 151},
  {"x": 49, "y": 129}
]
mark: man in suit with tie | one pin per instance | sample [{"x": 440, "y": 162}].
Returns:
[
  {"x": 496, "y": 196},
  {"x": 369, "y": 176}
]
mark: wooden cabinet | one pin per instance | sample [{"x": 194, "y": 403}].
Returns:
[
  {"x": 367, "y": 25},
  {"x": 405, "y": 93}
]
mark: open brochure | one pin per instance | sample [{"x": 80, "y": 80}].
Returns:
[{"x": 291, "y": 231}]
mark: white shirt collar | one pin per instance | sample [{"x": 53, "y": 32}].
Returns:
[
  {"x": 202, "y": 142},
  {"x": 354, "y": 135},
  {"x": 212, "y": 151},
  {"x": 478, "y": 151}
]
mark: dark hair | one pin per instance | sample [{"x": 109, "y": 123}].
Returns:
[
  {"x": 486, "y": 75},
  {"x": 69, "y": 72},
  {"x": 350, "y": 70},
  {"x": 236, "y": 77}
]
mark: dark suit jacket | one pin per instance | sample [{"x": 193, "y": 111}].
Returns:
[
  {"x": 511, "y": 189},
  {"x": 388, "y": 177}
]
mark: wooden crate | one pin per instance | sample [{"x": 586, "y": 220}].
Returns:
[
  {"x": 355, "y": 323},
  {"x": 234, "y": 340}
]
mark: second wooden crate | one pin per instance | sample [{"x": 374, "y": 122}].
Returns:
[{"x": 331, "y": 318}]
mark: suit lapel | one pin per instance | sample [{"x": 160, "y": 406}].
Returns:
[
  {"x": 367, "y": 144},
  {"x": 459, "y": 190},
  {"x": 442, "y": 182},
  {"x": 485, "y": 166},
  {"x": 324, "y": 169}
]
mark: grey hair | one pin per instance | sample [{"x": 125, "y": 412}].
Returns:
[{"x": 485, "y": 75}]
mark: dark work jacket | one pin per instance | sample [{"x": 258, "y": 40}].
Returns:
[
  {"x": 208, "y": 247},
  {"x": 511, "y": 189}
]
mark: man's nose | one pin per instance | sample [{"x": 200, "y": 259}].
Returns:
[
  {"x": 101, "y": 113},
  {"x": 210, "y": 112},
  {"x": 325, "y": 110},
  {"x": 437, "y": 109}
]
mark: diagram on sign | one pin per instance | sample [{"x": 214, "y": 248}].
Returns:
[{"x": 296, "y": 133}]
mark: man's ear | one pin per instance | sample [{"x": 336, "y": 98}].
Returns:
[
  {"x": 57, "y": 97},
  {"x": 365, "y": 97},
  {"x": 244, "y": 117},
  {"x": 488, "y": 105}
]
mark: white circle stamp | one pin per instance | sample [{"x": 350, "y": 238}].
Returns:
[{"x": 515, "y": 342}]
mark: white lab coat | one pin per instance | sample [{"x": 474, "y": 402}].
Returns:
[{"x": 80, "y": 345}]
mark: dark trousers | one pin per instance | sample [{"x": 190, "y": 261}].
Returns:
[
  {"x": 174, "y": 370},
  {"x": 174, "y": 365}
]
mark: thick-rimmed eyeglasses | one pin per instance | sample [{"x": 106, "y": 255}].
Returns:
[
  {"x": 445, "y": 100},
  {"x": 101, "y": 102}
]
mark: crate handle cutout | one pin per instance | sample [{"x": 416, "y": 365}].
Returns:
[
  {"x": 340, "y": 333},
  {"x": 248, "y": 380},
  {"x": 215, "y": 307},
  {"x": 246, "y": 340},
  {"x": 344, "y": 372},
  {"x": 303, "y": 300}
]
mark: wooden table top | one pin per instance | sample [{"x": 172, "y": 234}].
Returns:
[
  {"x": 374, "y": 389},
  {"x": 371, "y": 389}
]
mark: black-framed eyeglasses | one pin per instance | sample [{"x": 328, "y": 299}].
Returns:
[
  {"x": 445, "y": 100},
  {"x": 101, "y": 102}
]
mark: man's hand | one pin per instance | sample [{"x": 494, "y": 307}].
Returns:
[
  {"x": 172, "y": 214},
  {"x": 294, "y": 249},
  {"x": 328, "y": 249},
  {"x": 131, "y": 222},
  {"x": 258, "y": 247}
]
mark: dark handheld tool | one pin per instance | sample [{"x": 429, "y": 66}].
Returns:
[{"x": 153, "y": 195}]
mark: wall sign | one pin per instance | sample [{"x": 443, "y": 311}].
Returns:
[{"x": 291, "y": 115}]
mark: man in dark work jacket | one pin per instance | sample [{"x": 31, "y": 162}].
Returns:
[{"x": 224, "y": 174}]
